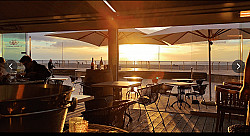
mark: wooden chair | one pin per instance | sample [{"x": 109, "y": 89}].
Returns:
[
  {"x": 228, "y": 101},
  {"x": 111, "y": 115}
]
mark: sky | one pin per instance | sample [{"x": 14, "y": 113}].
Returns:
[{"x": 46, "y": 47}]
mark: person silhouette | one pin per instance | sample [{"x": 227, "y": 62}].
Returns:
[
  {"x": 33, "y": 70},
  {"x": 245, "y": 90},
  {"x": 50, "y": 67}
]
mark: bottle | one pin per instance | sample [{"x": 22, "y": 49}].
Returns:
[
  {"x": 92, "y": 64},
  {"x": 101, "y": 64}
]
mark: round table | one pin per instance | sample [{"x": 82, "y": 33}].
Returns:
[{"x": 137, "y": 79}]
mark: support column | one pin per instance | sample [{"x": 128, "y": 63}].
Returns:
[{"x": 113, "y": 52}]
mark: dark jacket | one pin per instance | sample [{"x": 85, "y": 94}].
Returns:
[
  {"x": 50, "y": 65},
  {"x": 37, "y": 72}
]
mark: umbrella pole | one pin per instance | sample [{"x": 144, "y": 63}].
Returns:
[{"x": 209, "y": 68}]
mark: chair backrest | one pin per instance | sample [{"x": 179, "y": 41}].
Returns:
[
  {"x": 154, "y": 92},
  {"x": 226, "y": 97},
  {"x": 202, "y": 89},
  {"x": 165, "y": 88},
  {"x": 113, "y": 115},
  {"x": 233, "y": 83},
  {"x": 199, "y": 81}
]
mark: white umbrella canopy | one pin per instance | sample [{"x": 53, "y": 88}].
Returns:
[
  {"x": 197, "y": 33},
  {"x": 100, "y": 37}
]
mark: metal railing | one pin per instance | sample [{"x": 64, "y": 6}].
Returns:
[{"x": 169, "y": 65}]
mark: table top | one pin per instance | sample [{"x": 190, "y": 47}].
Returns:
[
  {"x": 183, "y": 79},
  {"x": 180, "y": 83},
  {"x": 58, "y": 78},
  {"x": 137, "y": 79},
  {"x": 27, "y": 82},
  {"x": 82, "y": 98},
  {"x": 123, "y": 84},
  {"x": 133, "y": 77}
]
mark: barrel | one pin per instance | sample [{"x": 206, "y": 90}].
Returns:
[
  {"x": 103, "y": 95},
  {"x": 33, "y": 107}
]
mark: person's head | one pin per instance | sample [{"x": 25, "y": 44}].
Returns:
[
  {"x": 26, "y": 60},
  {"x": 50, "y": 60},
  {"x": 2, "y": 60}
]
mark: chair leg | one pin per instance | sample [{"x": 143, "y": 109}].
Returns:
[
  {"x": 222, "y": 115},
  {"x": 149, "y": 118},
  {"x": 167, "y": 104},
  {"x": 158, "y": 99},
  {"x": 140, "y": 112},
  {"x": 217, "y": 121},
  {"x": 160, "y": 115}
]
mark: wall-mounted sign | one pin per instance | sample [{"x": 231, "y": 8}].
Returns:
[{"x": 14, "y": 44}]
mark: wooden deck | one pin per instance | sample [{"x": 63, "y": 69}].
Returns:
[{"x": 176, "y": 120}]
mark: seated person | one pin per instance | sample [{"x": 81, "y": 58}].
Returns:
[
  {"x": 4, "y": 75},
  {"x": 33, "y": 70}
]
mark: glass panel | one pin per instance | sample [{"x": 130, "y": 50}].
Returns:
[
  {"x": 14, "y": 46},
  {"x": 1, "y": 45}
]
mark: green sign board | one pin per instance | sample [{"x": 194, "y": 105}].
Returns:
[{"x": 13, "y": 45}]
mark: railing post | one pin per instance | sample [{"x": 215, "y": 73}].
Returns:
[
  {"x": 227, "y": 65},
  {"x": 171, "y": 64},
  {"x": 159, "y": 65},
  {"x": 196, "y": 65},
  {"x": 218, "y": 65},
  {"x": 212, "y": 66},
  {"x": 183, "y": 65}
]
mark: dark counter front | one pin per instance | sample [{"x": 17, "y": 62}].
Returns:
[{"x": 103, "y": 95}]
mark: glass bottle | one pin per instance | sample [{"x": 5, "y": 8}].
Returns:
[
  {"x": 92, "y": 64},
  {"x": 101, "y": 64}
]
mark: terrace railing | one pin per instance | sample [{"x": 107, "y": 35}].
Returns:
[{"x": 148, "y": 65}]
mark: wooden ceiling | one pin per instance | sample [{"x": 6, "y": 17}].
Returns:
[{"x": 48, "y": 16}]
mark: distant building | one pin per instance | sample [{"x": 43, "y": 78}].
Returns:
[{"x": 13, "y": 45}]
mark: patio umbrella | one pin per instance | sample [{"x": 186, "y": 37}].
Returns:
[
  {"x": 196, "y": 33},
  {"x": 100, "y": 37}
]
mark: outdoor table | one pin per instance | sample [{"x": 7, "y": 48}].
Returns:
[
  {"x": 58, "y": 79},
  {"x": 180, "y": 91},
  {"x": 27, "y": 82},
  {"x": 82, "y": 77},
  {"x": 117, "y": 85},
  {"x": 183, "y": 80},
  {"x": 82, "y": 98},
  {"x": 137, "y": 79}
]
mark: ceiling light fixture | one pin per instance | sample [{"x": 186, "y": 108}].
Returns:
[
  {"x": 245, "y": 13},
  {"x": 106, "y": 2}
]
